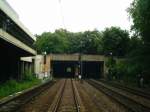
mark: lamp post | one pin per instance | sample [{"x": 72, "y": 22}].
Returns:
[
  {"x": 81, "y": 64},
  {"x": 44, "y": 54},
  {"x": 111, "y": 53},
  {"x": 111, "y": 59},
  {"x": 80, "y": 59}
]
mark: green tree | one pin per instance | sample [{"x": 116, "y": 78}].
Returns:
[
  {"x": 52, "y": 42},
  {"x": 90, "y": 41},
  {"x": 63, "y": 41},
  {"x": 140, "y": 13},
  {"x": 74, "y": 42},
  {"x": 115, "y": 40}
]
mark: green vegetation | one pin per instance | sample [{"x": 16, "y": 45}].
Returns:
[
  {"x": 13, "y": 86},
  {"x": 139, "y": 11},
  {"x": 115, "y": 41},
  {"x": 112, "y": 39}
]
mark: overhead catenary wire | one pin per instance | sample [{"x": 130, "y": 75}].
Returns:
[{"x": 61, "y": 13}]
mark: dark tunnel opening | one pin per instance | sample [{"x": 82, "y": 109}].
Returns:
[
  {"x": 68, "y": 69},
  {"x": 64, "y": 69},
  {"x": 92, "y": 69}
]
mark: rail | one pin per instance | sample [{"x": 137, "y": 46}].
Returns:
[
  {"x": 55, "y": 107},
  {"x": 131, "y": 105},
  {"x": 129, "y": 89},
  {"x": 25, "y": 97},
  {"x": 75, "y": 97}
]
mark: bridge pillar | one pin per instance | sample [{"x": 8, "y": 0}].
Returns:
[{"x": 27, "y": 66}]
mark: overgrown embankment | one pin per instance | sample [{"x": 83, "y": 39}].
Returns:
[{"x": 12, "y": 86}]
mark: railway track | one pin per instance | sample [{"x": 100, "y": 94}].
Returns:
[
  {"x": 130, "y": 104},
  {"x": 129, "y": 89},
  {"x": 66, "y": 100},
  {"x": 15, "y": 103}
]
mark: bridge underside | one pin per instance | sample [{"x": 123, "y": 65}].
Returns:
[
  {"x": 68, "y": 69},
  {"x": 10, "y": 60}
]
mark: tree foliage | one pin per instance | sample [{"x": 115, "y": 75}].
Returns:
[
  {"x": 140, "y": 13},
  {"x": 116, "y": 41},
  {"x": 52, "y": 42},
  {"x": 89, "y": 42},
  {"x": 138, "y": 55}
]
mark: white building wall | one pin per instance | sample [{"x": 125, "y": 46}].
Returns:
[{"x": 39, "y": 66}]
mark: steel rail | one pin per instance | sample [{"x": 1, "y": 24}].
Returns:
[
  {"x": 75, "y": 96},
  {"x": 26, "y": 96},
  {"x": 56, "y": 107},
  {"x": 131, "y": 105},
  {"x": 146, "y": 95},
  {"x": 59, "y": 99}
]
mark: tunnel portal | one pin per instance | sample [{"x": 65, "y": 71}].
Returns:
[
  {"x": 68, "y": 69},
  {"x": 92, "y": 69},
  {"x": 64, "y": 69}
]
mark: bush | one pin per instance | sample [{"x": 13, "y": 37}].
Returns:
[
  {"x": 12, "y": 86},
  {"x": 28, "y": 76},
  {"x": 121, "y": 69}
]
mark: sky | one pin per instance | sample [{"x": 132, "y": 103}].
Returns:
[{"x": 74, "y": 15}]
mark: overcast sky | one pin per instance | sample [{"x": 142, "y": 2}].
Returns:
[{"x": 74, "y": 15}]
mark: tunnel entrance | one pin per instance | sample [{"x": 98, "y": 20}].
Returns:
[
  {"x": 68, "y": 69},
  {"x": 92, "y": 69},
  {"x": 64, "y": 69}
]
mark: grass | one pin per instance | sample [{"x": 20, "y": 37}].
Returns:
[{"x": 13, "y": 86}]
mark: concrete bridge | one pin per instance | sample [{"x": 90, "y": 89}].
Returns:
[{"x": 16, "y": 41}]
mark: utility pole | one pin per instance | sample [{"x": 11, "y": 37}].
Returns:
[{"x": 80, "y": 59}]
